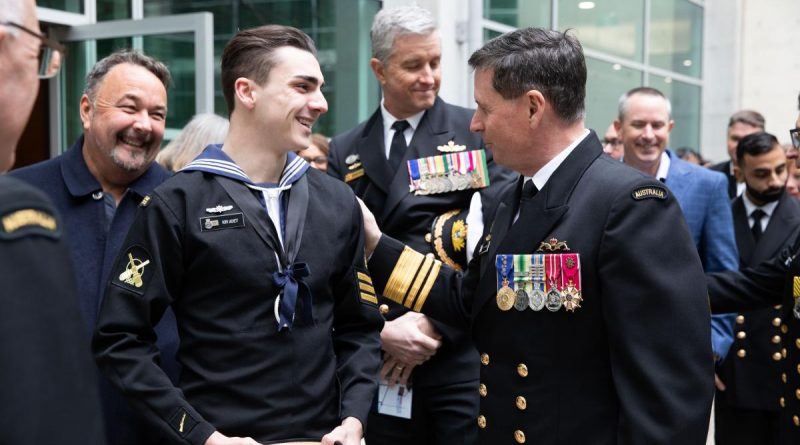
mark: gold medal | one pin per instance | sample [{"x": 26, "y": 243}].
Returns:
[{"x": 505, "y": 295}]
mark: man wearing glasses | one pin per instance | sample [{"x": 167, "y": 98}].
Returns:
[
  {"x": 47, "y": 387},
  {"x": 773, "y": 282}
]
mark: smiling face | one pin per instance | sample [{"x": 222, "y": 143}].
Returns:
[
  {"x": 410, "y": 77},
  {"x": 644, "y": 131},
  {"x": 289, "y": 103},
  {"x": 124, "y": 125}
]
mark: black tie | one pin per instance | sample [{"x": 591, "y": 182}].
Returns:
[
  {"x": 529, "y": 190},
  {"x": 398, "y": 148},
  {"x": 756, "y": 229}
]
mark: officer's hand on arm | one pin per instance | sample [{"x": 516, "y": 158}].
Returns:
[
  {"x": 349, "y": 432},
  {"x": 409, "y": 340},
  {"x": 216, "y": 438},
  {"x": 372, "y": 233}
]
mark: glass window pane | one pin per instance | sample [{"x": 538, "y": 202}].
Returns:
[
  {"x": 518, "y": 13},
  {"x": 340, "y": 29},
  {"x": 75, "y": 6},
  {"x": 676, "y": 36},
  {"x": 113, "y": 10},
  {"x": 685, "y": 100},
  {"x": 605, "y": 84},
  {"x": 613, "y": 26}
]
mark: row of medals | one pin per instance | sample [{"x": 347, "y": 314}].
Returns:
[
  {"x": 569, "y": 297},
  {"x": 443, "y": 184}
]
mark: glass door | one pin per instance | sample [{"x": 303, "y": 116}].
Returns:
[{"x": 184, "y": 42}]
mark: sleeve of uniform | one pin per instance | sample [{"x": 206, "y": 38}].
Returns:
[
  {"x": 751, "y": 288},
  {"x": 720, "y": 253},
  {"x": 48, "y": 391},
  {"x": 657, "y": 316},
  {"x": 357, "y": 325},
  {"x": 423, "y": 284},
  {"x": 140, "y": 287}
]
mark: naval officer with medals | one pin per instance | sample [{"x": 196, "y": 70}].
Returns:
[
  {"x": 413, "y": 160},
  {"x": 613, "y": 347}
]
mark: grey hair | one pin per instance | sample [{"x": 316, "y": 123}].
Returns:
[
  {"x": 646, "y": 91},
  {"x": 130, "y": 56},
  {"x": 393, "y": 22},
  {"x": 202, "y": 130},
  {"x": 12, "y": 11}
]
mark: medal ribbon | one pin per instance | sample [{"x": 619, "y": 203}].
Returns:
[
  {"x": 571, "y": 274},
  {"x": 413, "y": 173},
  {"x": 551, "y": 261},
  {"x": 503, "y": 270},
  {"x": 520, "y": 275},
  {"x": 538, "y": 272}
]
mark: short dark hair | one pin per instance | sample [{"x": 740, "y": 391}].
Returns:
[
  {"x": 527, "y": 59},
  {"x": 755, "y": 144},
  {"x": 250, "y": 54},
  {"x": 127, "y": 55},
  {"x": 645, "y": 91},
  {"x": 748, "y": 117}
]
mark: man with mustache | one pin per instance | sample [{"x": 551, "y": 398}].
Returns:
[
  {"x": 97, "y": 185},
  {"x": 764, "y": 217},
  {"x": 644, "y": 124},
  {"x": 262, "y": 259}
]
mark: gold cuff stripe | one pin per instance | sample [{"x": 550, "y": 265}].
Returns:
[
  {"x": 402, "y": 274},
  {"x": 421, "y": 274},
  {"x": 366, "y": 287},
  {"x": 796, "y": 287},
  {"x": 364, "y": 277},
  {"x": 423, "y": 296},
  {"x": 368, "y": 297}
]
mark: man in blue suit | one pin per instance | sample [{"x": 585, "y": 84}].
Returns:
[{"x": 644, "y": 124}]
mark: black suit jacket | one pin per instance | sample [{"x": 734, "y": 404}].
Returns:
[
  {"x": 750, "y": 370},
  {"x": 408, "y": 217},
  {"x": 633, "y": 364},
  {"x": 725, "y": 168}
]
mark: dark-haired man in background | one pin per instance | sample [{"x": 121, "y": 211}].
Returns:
[
  {"x": 740, "y": 124},
  {"x": 764, "y": 218}
]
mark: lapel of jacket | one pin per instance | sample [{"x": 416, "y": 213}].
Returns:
[
  {"x": 539, "y": 217},
  {"x": 253, "y": 210},
  {"x": 372, "y": 153},
  {"x": 741, "y": 228},
  {"x": 431, "y": 132},
  {"x": 679, "y": 181},
  {"x": 780, "y": 226}
]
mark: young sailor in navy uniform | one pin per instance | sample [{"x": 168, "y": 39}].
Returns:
[
  {"x": 262, "y": 260},
  {"x": 585, "y": 297}
]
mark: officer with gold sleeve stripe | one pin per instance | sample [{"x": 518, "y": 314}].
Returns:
[{"x": 588, "y": 329}]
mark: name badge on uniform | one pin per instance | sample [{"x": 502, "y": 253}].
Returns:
[
  {"x": 460, "y": 170},
  {"x": 228, "y": 221},
  {"x": 538, "y": 281}
]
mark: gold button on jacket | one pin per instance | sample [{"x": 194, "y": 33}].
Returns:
[
  {"x": 519, "y": 436},
  {"x": 522, "y": 370},
  {"x": 484, "y": 359},
  {"x": 481, "y": 422},
  {"x": 522, "y": 403}
]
